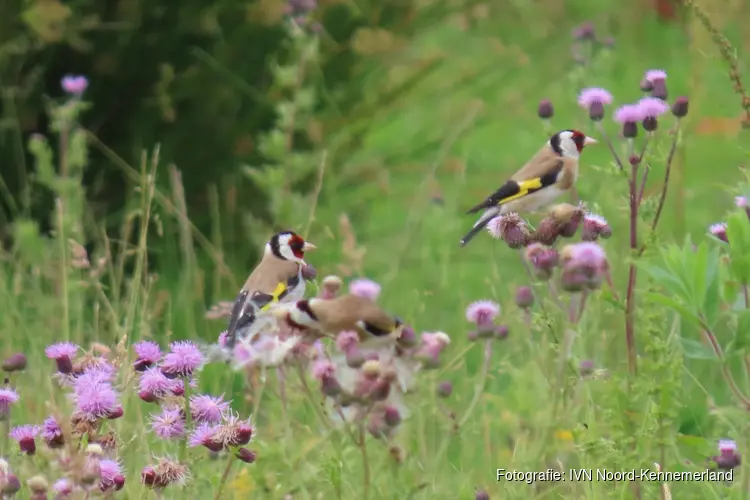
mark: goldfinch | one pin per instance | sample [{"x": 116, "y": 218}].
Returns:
[
  {"x": 345, "y": 312},
  {"x": 552, "y": 171},
  {"x": 277, "y": 278}
]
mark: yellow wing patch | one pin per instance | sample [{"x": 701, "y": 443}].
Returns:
[
  {"x": 280, "y": 288},
  {"x": 523, "y": 189}
]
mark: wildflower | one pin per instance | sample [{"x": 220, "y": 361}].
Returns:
[
  {"x": 524, "y": 297},
  {"x": 7, "y": 397},
  {"x": 52, "y": 433},
  {"x": 545, "y": 111},
  {"x": 365, "y": 288},
  {"x": 222, "y": 339},
  {"x": 444, "y": 389},
  {"x": 584, "y": 31},
  {"x": 408, "y": 337},
  {"x": 111, "y": 476},
  {"x": 94, "y": 398},
  {"x": 501, "y": 332},
  {"x": 657, "y": 78},
  {"x": 149, "y": 353},
  {"x": 169, "y": 424},
  {"x": 153, "y": 385},
  {"x": 203, "y": 435},
  {"x": 562, "y": 221},
  {"x": 183, "y": 359},
  {"x": 543, "y": 260},
  {"x": 594, "y": 99},
  {"x": 63, "y": 354},
  {"x": 209, "y": 409},
  {"x": 164, "y": 473},
  {"x": 680, "y": 107},
  {"x": 608, "y": 42},
  {"x": 391, "y": 416},
  {"x": 432, "y": 345},
  {"x": 329, "y": 385},
  {"x": 247, "y": 456},
  {"x": 25, "y": 435},
  {"x": 594, "y": 227},
  {"x": 511, "y": 229},
  {"x": 481, "y": 495},
  {"x": 331, "y": 287},
  {"x": 63, "y": 487},
  {"x": 586, "y": 367},
  {"x": 482, "y": 313},
  {"x": 38, "y": 486},
  {"x": 728, "y": 457},
  {"x": 14, "y": 363},
  {"x": 74, "y": 84},
  {"x": 584, "y": 266},
  {"x": 651, "y": 108},
  {"x": 376, "y": 426},
  {"x": 234, "y": 432},
  {"x": 629, "y": 116},
  {"x": 646, "y": 85},
  {"x": 345, "y": 340},
  {"x": 719, "y": 230}
]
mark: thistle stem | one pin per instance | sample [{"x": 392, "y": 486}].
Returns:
[
  {"x": 667, "y": 171},
  {"x": 224, "y": 476},
  {"x": 726, "y": 373},
  {"x": 610, "y": 145},
  {"x": 365, "y": 461},
  {"x": 188, "y": 417},
  {"x": 630, "y": 293}
]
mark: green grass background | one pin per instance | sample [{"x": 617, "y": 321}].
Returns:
[{"x": 455, "y": 136}]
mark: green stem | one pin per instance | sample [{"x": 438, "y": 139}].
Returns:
[
  {"x": 188, "y": 417},
  {"x": 225, "y": 475}
]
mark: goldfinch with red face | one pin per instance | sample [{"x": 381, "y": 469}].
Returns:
[
  {"x": 345, "y": 312},
  {"x": 552, "y": 171},
  {"x": 277, "y": 278}
]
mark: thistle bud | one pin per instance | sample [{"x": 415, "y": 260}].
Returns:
[
  {"x": 247, "y": 456},
  {"x": 568, "y": 217},
  {"x": 680, "y": 107},
  {"x": 444, "y": 389},
  {"x": 329, "y": 386},
  {"x": 481, "y": 495},
  {"x": 719, "y": 231},
  {"x": 586, "y": 367},
  {"x": 524, "y": 297},
  {"x": 408, "y": 337},
  {"x": 331, "y": 287},
  {"x": 630, "y": 130},
  {"x": 501, "y": 332},
  {"x": 545, "y": 111},
  {"x": 596, "y": 111},
  {"x": 10, "y": 485},
  {"x": 309, "y": 272},
  {"x": 660, "y": 90},
  {"x": 472, "y": 336},
  {"x": 543, "y": 260},
  {"x": 14, "y": 363},
  {"x": 354, "y": 357},
  {"x": 380, "y": 390},
  {"x": 584, "y": 266},
  {"x": 391, "y": 416},
  {"x": 595, "y": 226},
  {"x": 646, "y": 85},
  {"x": 511, "y": 229},
  {"x": 585, "y": 31},
  {"x": 728, "y": 457}
]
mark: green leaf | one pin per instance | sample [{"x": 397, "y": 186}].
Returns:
[
  {"x": 673, "y": 304},
  {"x": 697, "y": 264},
  {"x": 712, "y": 296},
  {"x": 696, "y": 350},
  {"x": 664, "y": 278},
  {"x": 738, "y": 234}
]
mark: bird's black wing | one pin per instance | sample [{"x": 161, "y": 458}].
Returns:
[
  {"x": 234, "y": 319},
  {"x": 510, "y": 188}
]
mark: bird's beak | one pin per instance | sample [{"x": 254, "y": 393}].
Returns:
[
  {"x": 588, "y": 141},
  {"x": 308, "y": 247}
]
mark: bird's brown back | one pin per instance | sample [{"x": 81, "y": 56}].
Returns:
[
  {"x": 269, "y": 273},
  {"x": 540, "y": 163},
  {"x": 343, "y": 313}
]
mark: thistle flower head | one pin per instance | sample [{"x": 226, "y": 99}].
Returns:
[
  {"x": 629, "y": 113},
  {"x": 110, "y": 475},
  {"x": 651, "y": 107},
  {"x": 719, "y": 230},
  {"x": 52, "y": 433},
  {"x": 524, "y": 297},
  {"x": 94, "y": 398},
  {"x": 208, "y": 409},
  {"x": 25, "y": 436},
  {"x": 169, "y": 424},
  {"x": 234, "y": 432},
  {"x": 149, "y": 354},
  {"x": 153, "y": 385},
  {"x": 584, "y": 31},
  {"x": 511, "y": 229},
  {"x": 543, "y": 259},
  {"x": 183, "y": 358},
  {"x": 584, "y": 266},
  {"x": 655, "y": 75},
  {"x": 63, "y": 354},
  {"x": 728, "y": 457},
  {"x": 444, "y": 389},
  {"x": 595, "y": 227},
  {"x": 365, "y": 288},
  {"x": 345, "y": 340},
  {"x": 593, "y": 100},
  {"x": 482, "y": 313},
  {"x": 680, "y": 107},
  {"x": 545, "y": 111},
  {"x": 74, "y": 84},
  {"x": 323, "y": 368},
  {"x": 164, "y": 473},
  {"x": 63, "y": 487},
  {"x": 8, "y": 397},
  {"x": 741, "y": 202},
  {"x": 203, "y": 435},
  {"x": 14, "y": 363},
  {"x": 331, "y": 287}
]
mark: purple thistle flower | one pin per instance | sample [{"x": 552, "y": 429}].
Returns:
[
  {"x": 74, "y": 84},
  {"x": 222, "y": 340},
  {"x": 346, "y": 340},
  {"x": 149, "y": 353},
  {"x": 629, "y": 116},
  {"x": 593, "y": 100},
  {"x": 204, "y": 435},
  {"x": 247, "y": 456},
  {"x": 719, "y": 230},
  {"x": 594, "y": 227},
  {"x": 208, "y": 409},
  {"x": 168, "y": 424},
  {"x": 585, "y": 31},
  {"x": 63, "y": 487},
  {"x": 741, "y": 202},
  {"x": 323, "y": 368},
  {"x": 482, "y": 313},
  {"x": 728, "y": 457},
  {"x": 652, "y": 108},
  {"x": 110, "y": 475},
  {"x": 94, "y": 398},
  {"x": 52, "y": 433},
  {"x": 584, "y": 266},
  {"x": 183, "y": 359},
  {"x": 153, "y": 385},
  {"x": 178, "y": 386},
  {"x": 63, "y": 354},
  {"x": 655, "y": 75},
  {"x": 25, "y": 435},
  {"x": 365, "y": 288},
  {"x": 7, "y": 398}
]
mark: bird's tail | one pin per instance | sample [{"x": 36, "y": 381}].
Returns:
[{"x": 480, "y": 224}]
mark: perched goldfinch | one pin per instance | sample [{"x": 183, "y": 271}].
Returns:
[
  {"x": 552, "y": 171},
  {"x": 345, "y": 312},
  {"x": 277, "y": 278}
]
